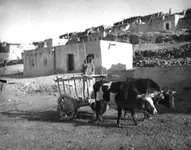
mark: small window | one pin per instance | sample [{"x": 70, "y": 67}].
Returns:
[
  {"x": 32, "y": 63},
  {"x": 45, "y": 61}
]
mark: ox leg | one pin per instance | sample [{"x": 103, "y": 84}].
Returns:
[
  {"x": 133, "y": 116},
  {"x": 146, "y": 116},
  {"x": 101, "y": 111},
  {"x": 119, "y": 116},
  {"x": 125, "y": 113},
  {"x": 98, "y": 110}
]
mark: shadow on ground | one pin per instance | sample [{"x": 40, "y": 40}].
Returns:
[
  {"x": 14, "y": 76},
  {"x": 82, "y": 118}
]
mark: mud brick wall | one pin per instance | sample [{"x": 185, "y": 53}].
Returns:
[{"x": 165, "y": 76}]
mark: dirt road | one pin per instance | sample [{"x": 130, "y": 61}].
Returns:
[{"x": 30, "y": 121}]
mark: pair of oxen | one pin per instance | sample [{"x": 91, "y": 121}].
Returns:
[{"x": 130, "y": 95}]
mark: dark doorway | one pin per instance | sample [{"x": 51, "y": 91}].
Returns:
[
  {"x": 167, "y": 26},
  {"x": 70, "y": 62}
]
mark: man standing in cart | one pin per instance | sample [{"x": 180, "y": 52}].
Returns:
[{"x": 88, "y": 66}]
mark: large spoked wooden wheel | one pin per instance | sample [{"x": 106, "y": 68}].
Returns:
[{"x": 67, "y": 107}]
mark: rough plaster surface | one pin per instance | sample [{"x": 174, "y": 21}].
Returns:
[
  {"x": 14, "y": 69},
  {"x": 164, "y": 76}
]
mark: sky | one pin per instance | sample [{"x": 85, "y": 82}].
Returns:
[{"x": 24, "y": 21}]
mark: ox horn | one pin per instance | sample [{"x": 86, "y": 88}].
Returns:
[
  {"x": 147, "y": 92},
  {"x": 140, "y": 95},
  {"x": 173, "y": 92},
  {"x": 169, "y": 88},
  {"x": 161, "y": 90}
]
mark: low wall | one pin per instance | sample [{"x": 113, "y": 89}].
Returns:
[
  {"x": 154, "y": 47},
  {"x": 13, "y": 69},
  {"x": 119, "y": 75},
  {"x": 165, "y": 76}
]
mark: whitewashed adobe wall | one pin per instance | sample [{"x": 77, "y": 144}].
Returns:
[{"x": 114, "y": 53}]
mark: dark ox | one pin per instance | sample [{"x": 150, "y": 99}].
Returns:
[
  {"x": 124, "y": 96},
  {"x": 141, "y": 86}
]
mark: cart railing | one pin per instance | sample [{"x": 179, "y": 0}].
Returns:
[{"x": 78, "y": 87}]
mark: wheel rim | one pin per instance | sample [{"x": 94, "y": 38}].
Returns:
[{"x": 68, "y": 111}]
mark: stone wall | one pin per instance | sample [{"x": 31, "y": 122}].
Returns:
[{"x": 184, "y": 23}]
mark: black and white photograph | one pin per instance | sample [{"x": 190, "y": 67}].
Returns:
[{"x": 95, "y": 75}]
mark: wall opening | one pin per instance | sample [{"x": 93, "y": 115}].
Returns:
[
  {"x": 70, "y": 62},
  {"x": 32, "y": 62},
  {"x": 167, "y": 26},
  {"x": 45, "y": 61}
]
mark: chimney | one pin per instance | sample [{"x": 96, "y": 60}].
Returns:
[
  {"x": 170, "y": 11},
  {"x": 48, "y": 42}
]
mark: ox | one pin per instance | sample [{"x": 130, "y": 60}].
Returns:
[{"x": 141, "y": 86}]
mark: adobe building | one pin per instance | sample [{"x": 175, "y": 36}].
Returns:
[
  {"x": 69, "y": 58},
  {"x": 156, "y": 22},
  {"x": 10, "y": 52}
]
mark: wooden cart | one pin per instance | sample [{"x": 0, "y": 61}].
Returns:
[{"x": 75, "y": 92}]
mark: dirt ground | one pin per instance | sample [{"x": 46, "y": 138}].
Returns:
[{"x": 30, "y": 121}]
